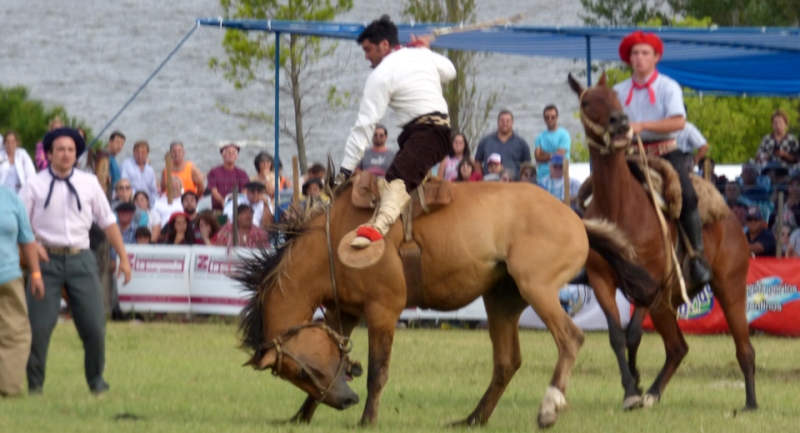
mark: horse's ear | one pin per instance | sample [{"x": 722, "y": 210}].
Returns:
[
  {"x": 602, "y": 81},
  {"x": 575, "y": 85},
  {"x": 267, "y": 361}
]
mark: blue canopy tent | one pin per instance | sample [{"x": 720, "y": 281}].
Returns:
[
  {"x": 751, "y": 61},
  {"x": 755, "y": 61}
]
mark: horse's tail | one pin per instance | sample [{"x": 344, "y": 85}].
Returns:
[{"x": 612, "y": 244}]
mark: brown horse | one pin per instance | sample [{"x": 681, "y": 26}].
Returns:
[
  {"x": 620, "y": 198},
  {"x": 513, "y": 244}
]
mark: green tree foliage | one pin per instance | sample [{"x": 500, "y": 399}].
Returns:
[
  {"x": 621, "y": 12},
  {"x": 29, "y": 118},
  {"x": 248, "y": 52},
  {"x": 721, "y": 12},
  {"x": 469, "y": 108}
]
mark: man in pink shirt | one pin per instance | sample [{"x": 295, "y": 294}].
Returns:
[{"x": 62, "y": 203}]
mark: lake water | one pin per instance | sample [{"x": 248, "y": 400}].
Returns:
[{"x": 90, "y": 56}]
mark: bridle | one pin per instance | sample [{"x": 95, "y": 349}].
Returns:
[
  {"x": 608, "y": 145},
  {"x": 343, "y": 343}
]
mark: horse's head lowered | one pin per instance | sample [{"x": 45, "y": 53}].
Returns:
[
  {"x": 606, "y": 125},
  {"x": 313, "y": 357}
]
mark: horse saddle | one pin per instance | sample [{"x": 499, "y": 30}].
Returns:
[
  {"x": 667, "y": 186},
  {"x": 431, "y": 195}
]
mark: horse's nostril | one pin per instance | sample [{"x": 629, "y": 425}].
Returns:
[{"x": 350, "y": 402}]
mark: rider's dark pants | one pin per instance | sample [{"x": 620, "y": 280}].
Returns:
[{"x": 678, "y": 161}]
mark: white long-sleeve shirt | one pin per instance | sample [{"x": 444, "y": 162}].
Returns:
[{"x": 410, "y": 81}]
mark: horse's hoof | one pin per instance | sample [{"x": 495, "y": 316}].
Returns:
[
  {"x": 650, "y": 400},
  {"x": 749, "y": 408},
  {"x": 546, "y": 419},
  {"x": 632, "y": 402},
  {"x": 469, "y": 422}
]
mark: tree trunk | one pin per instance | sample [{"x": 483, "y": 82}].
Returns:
[{"x": 294, "y": 76}]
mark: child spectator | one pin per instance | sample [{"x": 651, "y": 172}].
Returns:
[
  {"x": 459, "y": 150},
  {"x": 467, "y": 172}
]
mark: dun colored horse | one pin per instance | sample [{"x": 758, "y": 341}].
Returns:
[
  {"x": 620, "y": 198},
  {"x": 513, "y": 244}
]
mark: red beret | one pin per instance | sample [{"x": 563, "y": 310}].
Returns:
[{"x": 639, "y": 37}]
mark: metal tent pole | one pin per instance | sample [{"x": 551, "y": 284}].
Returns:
[{"x": 276, "y": 165}]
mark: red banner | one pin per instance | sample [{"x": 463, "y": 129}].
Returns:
[{"x": 773, "y": 302}]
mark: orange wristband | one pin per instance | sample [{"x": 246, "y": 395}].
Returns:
[{"x": 36, "y": 275}]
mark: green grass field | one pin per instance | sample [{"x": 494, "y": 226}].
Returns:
[{"x": 187, "y": 378}]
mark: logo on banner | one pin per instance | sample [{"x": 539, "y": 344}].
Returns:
[
  {"x": 215, "y": 264},
  {"x": 700, "y": 307},
  {"x": 769, "y": 295},
  {"x": 574, "y": 298},
  {"x": 157, "y": 263}
]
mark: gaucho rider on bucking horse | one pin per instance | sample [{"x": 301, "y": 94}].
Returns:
[
  {"x": 653, "y": 103},
  {"x": 408, "y": 79}
]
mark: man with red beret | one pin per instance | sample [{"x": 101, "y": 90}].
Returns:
[{"x": 654, "y": 105}]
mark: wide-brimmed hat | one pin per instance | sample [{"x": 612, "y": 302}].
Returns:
[
  {"x": 225, "y": 146},
  {"x": 639, "y": 37},
  {"x": 50, "y": 137}
]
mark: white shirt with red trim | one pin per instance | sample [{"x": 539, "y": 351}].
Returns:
[
  {"x": 669, "y": 103},
  {"x": 409, "y": 81}
]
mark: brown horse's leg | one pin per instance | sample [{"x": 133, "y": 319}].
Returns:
[
  {"x": 504, "y": 305},
  {"x": 733, "y": 304},
  {"x": 603, "y": 283},
  {"x": 381, "y": 322},
  {"x": 349, "y": 323},
  {"x": 674, "y": 344},
  {"x": 634, "y": 339}
]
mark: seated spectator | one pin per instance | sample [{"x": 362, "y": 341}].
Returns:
[
  {"x": 206, "y": 228},
  {"x": 163, "y": 210},
  {"x": 554, "y": 183},
  {"x": 142, "y": 202},
  {"x": 179, "y": 230},
  {"x": 378, "y": 158},
  {"x": 16, "y": 167},
  {"x": 527, "y": 173},
  {"x": 494, "y": 168},
  {"x": 780, "y": 146},
  {"x": 739, "y": 210},
  {"x": 762, "y": 241},
  {"x": 313, "y": 188},
  {"x": 459, "y": 150},
  {"x": 753, "y": 188},
  {"x": 127, "y": 227},
  {"x": 250, "y": 236},
  {"x": 143, "y": 236},
  {"x": 507, "y": 176},
  {"x": 733, "y": 195},
  {"x": 467, "y": 171},
  {"x": 783, "y": 239},
  {"x": 189, "y": 203},
  {"x": 222, "y": 178},
  {"x": 254, "y": 195},
  {"x": 123, "y": 193},
  {"x": 265, "y": 167},
  {"x": 316, "y": 171},
  {"x": 191, "y": 177},
  {"x": 138, "y": 170}
]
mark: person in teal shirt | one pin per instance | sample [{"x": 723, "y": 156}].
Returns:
[
  {"x": 15, "y": 330},
  {"x": 553, "y": 141}
]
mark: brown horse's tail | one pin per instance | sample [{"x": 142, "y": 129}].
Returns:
[{"x": 612, "y": 244}]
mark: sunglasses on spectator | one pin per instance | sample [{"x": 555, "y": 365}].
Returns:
[{"x": 550, "y": 117}]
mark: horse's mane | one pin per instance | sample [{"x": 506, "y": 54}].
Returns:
[{"x": 262, "y": 272}]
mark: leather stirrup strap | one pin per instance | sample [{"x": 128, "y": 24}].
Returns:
[{"x": 411, "y": 257}]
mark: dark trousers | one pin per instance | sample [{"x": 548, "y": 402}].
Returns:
[
  {"x": 421, "y": 147},
  {"x": 678, "y": 161},
  {"x": 78, "y": 274}
]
